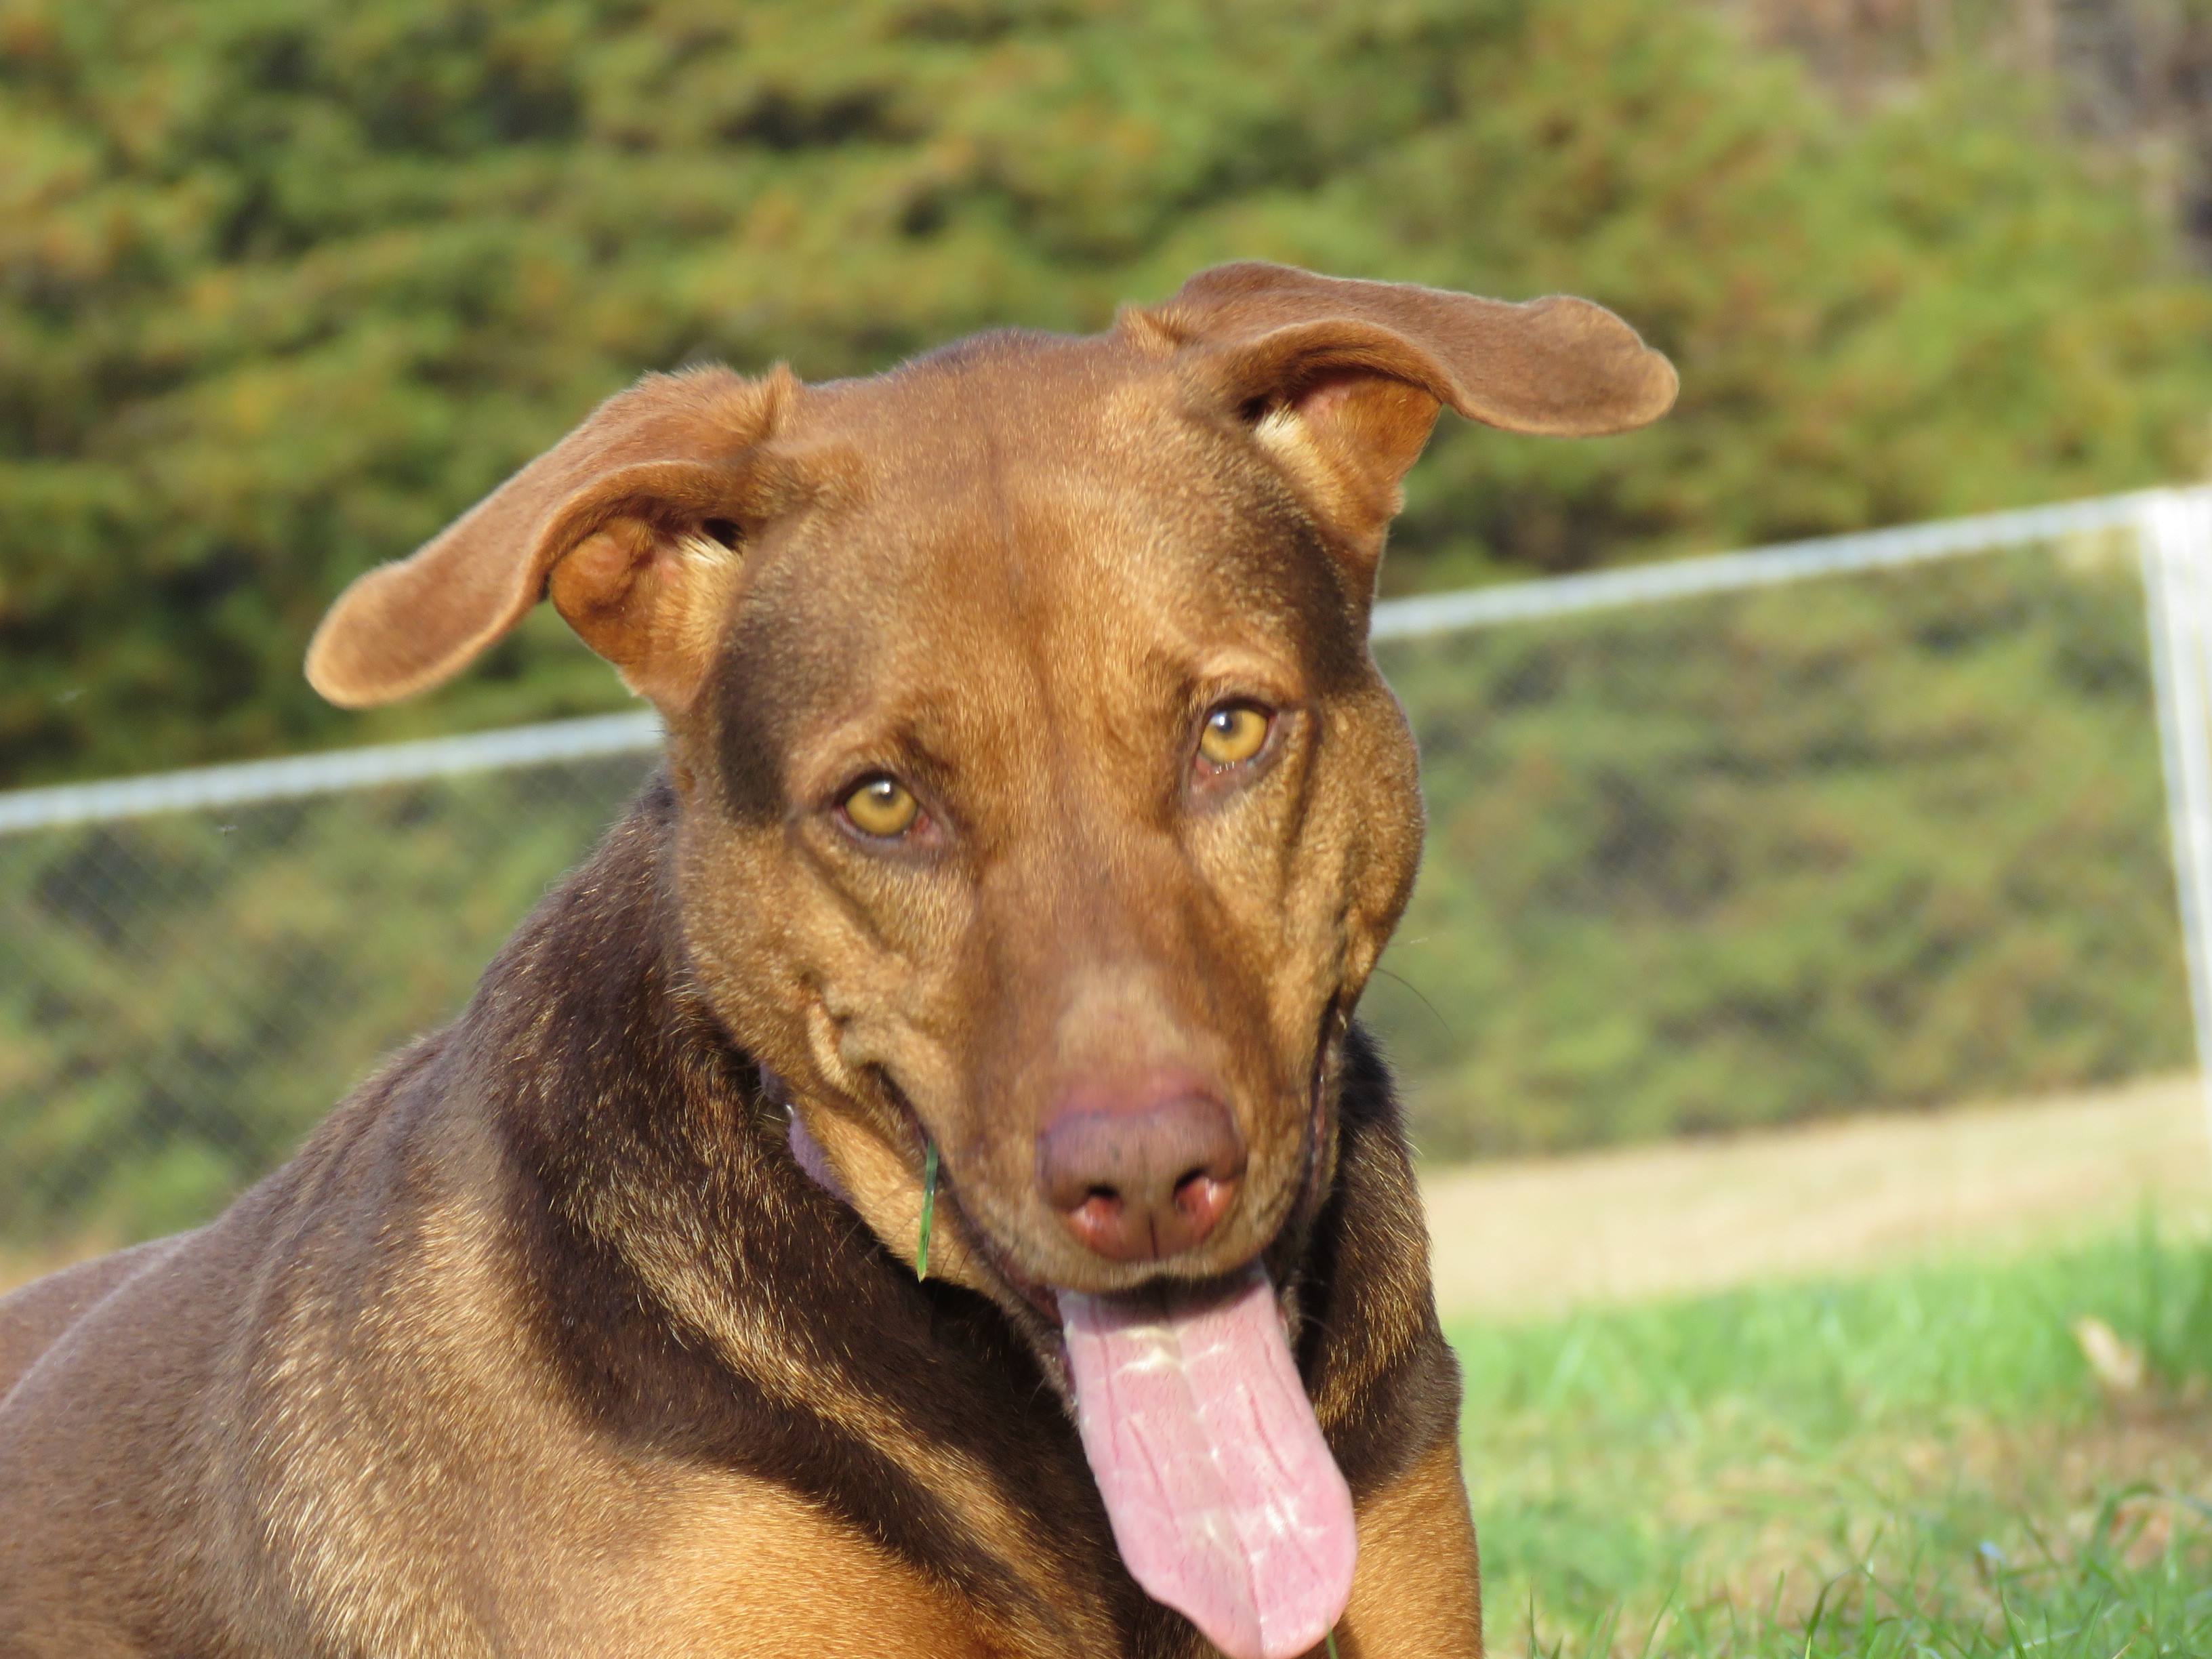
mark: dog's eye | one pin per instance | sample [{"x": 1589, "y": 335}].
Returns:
[
  {"x": 1233, "y": 733},
  {"x": 882, "y": 806}
]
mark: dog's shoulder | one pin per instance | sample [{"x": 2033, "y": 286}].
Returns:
[{"x": 36, "y": 1316}]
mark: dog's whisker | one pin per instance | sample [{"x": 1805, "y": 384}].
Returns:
[{"x": 1425, "y": 1001}]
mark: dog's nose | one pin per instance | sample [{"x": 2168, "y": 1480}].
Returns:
[{"x": 1142, "y": 1175}]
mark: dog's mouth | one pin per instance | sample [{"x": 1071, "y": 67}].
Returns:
[{"x": 1224, "y": 1500}]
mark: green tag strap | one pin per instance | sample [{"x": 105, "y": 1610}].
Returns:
[
  {"x": 928, "y": 1207},
  {"x": 1331, "y": 1639}
]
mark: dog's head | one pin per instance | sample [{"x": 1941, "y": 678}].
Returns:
[{"x": 1040, "y": 799}]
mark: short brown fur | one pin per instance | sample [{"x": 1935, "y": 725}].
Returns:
[{"x": 546, "y": 1343}]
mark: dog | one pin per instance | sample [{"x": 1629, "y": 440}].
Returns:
[{"x": 1033, "y": 814}]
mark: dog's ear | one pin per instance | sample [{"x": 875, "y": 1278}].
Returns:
[
  {"x": 632, "y": 523},
  {"x": 1341, "y": 381}
]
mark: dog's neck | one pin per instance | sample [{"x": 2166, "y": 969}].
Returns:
[{"x": 701, "y": 1289}]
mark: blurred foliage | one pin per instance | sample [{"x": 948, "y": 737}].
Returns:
[
  {"x": 283, "y": 286},
  {"x": 1883, "y": 840},
  {"x": 183, "y": 997}
]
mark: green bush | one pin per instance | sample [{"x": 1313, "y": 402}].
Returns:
[
  {"x": 284, "y": 286},
  {"x": 183, "y": 997},
  {"x": 1885, "y": 840}
]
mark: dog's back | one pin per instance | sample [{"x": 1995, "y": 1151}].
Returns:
[
  {"x": 140, "y": 1389},
  {"x": 34, "y": 1316}
]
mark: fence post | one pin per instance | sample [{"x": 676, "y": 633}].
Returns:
[{"x": 2176, "y": 542}]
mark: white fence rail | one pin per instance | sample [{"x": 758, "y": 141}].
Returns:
[
  {"x": 294, "y": 775},
  {"x": 1758, "y": 567}
]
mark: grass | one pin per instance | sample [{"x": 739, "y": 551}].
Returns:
[{"x": 1923, "y": 1461}]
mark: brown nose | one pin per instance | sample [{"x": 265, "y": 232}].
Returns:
[{"x": 1144, "y": 1175}]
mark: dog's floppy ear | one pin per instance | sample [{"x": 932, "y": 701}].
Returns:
[
  {"x": 631, "y": 522},
  {"x": 1341, "y": 379}
]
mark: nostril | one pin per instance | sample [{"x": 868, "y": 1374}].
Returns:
[
  {"x": 1102, "y": 1222},
  {"x": 1139, "y": 1182},
  {"x": 1198, "y": 1182},
  {"x": 1201, "y": 1196}
]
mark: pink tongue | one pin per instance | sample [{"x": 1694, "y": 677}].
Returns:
[{"x": 1224, "y": 1500}]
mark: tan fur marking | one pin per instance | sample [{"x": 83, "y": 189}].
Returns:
[
  {"x": 1347, "y": 445},
  {"x": 882, "y": 1186},
  {"x": 1416, "y": 1593},
  {"x": 758, "y": 1571},
  {"x": 761, "y": 1353}
]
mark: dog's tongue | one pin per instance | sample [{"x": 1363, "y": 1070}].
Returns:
[{"x": 1224, "y": 1500}]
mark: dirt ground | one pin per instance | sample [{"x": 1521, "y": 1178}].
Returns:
[{"x": 1545, "y": 1234}]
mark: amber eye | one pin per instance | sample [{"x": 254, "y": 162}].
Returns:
[
  {"x": 882, "y": 806},
  {"x": 1233, "y": 733}
]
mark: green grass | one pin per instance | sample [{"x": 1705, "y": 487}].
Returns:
[{"x": 1917, "y": 1463}]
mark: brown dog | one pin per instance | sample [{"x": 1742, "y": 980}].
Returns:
[{"x": 1034, "y": 814}]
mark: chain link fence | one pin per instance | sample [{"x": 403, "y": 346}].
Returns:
[{"x": 1876, "y": 822}]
